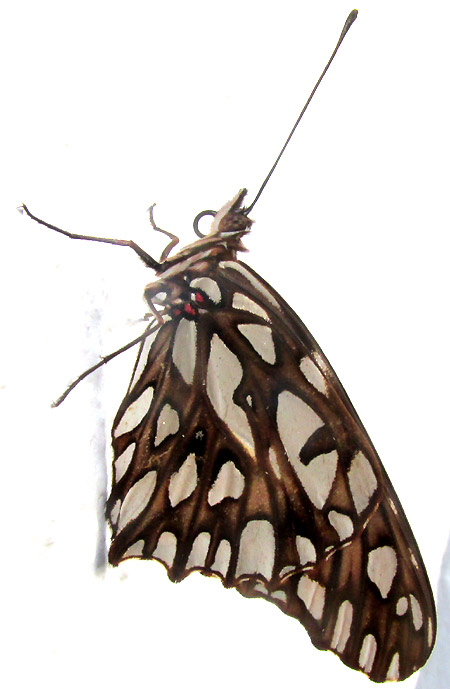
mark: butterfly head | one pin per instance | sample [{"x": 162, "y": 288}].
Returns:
[{"x": 231, "y": 217}]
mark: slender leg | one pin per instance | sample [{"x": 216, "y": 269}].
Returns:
[
  {"x": 174, "y": 239},
  {"x": 148, "y": 260},
  {"x": 104, "y": 360}
]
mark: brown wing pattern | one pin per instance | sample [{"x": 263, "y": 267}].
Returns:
[{"x": 238, "y": 453}]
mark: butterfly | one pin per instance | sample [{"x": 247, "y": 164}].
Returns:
[{"x": 238, "y": 454}]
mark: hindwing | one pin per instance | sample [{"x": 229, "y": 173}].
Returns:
[{"x": 239, "y": 454}]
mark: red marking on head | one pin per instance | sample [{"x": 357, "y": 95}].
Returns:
[{"x": 199, "y": 297}]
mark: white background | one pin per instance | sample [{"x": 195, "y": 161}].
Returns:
[{"x": 109, "y": 107}]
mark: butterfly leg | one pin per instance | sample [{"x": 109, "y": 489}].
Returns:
[
  {"x": 174, "y": 239},
  {"x": 143, "y": 255},
  {"x": 104, "y": 360}
]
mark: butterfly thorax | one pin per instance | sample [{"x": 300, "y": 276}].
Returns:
[
  {"x": 185, "y": 289},
  {"x": 184, "y": 285}
]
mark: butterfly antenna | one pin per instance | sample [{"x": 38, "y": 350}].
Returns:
[{"x": 350, "y": 19}]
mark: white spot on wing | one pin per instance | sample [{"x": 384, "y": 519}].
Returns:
[
  {"x": 257, "y": 549},
  {"x": 381, "y": 568},
  {"x": 135, "y": 550},
  {"x": 183, "y": 482},
  {"x": 143, "y": 356},
  {"x": 312, "y": 374},
  {"x": 223, "y": 376},
  {"x": 209, "y": 287},
  {"x": 135, "y": 413},
  {"x": 367, "y": 653},
  {"x": 168, "y": 424},
  {"x": 115, "y": 512},
  {"x": 306, "y": 550},
  {"x": 362, "y": 480},
  {"x": 122, "y": 462},
  {"x": 416, "y": 613},
  {"x": 296, "y": 423},
  {"x": 184, "y": 351},
  {"x": 222, "y": 559},
  {"x": 199, "y": 550},
  {"x": 317, "y": 478},
  {"x": 286, "y": 570},
  {"x": 263, "y": 291},
  {"x": 166, "y": 548},
  {"x": 137, "y": 498},
  {"x": 260, "y": 337},
  {"x": 413, "y": 559},
  {"x": 228, "y": 484},
  {"x": 342, "y": 627},
  {"x": 313, "y": 595},
  {"x": 430, "y": 632},
  {"x": 279, "y": 595},
  {"x": 402, "y": 606},
  {"x": 243, "y": 303},
  {"x": 342, "y": 523},
  {"x": 274, "y": 462},
  {"x": 393, "y": 672}
]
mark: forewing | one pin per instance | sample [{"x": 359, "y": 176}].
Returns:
[{"x": 239, "y": 454}]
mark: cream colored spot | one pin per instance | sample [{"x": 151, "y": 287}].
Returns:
[
  {"x": 342, "y": 523},
  {"x": 286, "y": 570},
  {"x": 312, "y": 374},
  {"x": 402, "y": 606},
  {"x": 430, "y": 632},
  {"x": 184, "y": 481},
  {"x": 362, "y": 480},
  {"x": 137, "y": 498},
  {"x": 168, "y": 424},
  {"x": 184, "y": 351},
  {"x": 222, "y": 559},
  {"x": 416, "y": 613},
  {"x": 296, "y": 423},
  {"x": 122, "y": 462},
  {"x": 413, "y": 559},
  {"x": 260, "y": 588},
  {"x": 199, "y": 551},
  {"x": 257, "y": 549},
  {"x": 342, "y": 627},
  {"x": 135, "y": 550},
  {"x": 313, "y": 596},
  {"x": 223, "y": 376},
  {"x": 243, "y": 303},
  {"x": 135, "y": 413},
  {"x": 367, "y": 653},
  {"x": 209, "y": 287},
  {"x": 393, "y": 672},
  {"x": 381, "y": 568},
  {"x": 306, "y": 550},
  {"x": 252, "y": 279},
  {"x": 317, "y": 478},
  {"x": 260, "y": 338},
  {"x": 274, "y": 462},
  {"x": 279, "y": 595},
  {"x": 166, "y": 548},
  {"x": 229, "y": 483},
  {"x": 114, "y": 515}
]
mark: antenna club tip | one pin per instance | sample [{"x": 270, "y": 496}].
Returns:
[{"x": 349, "y": 21}]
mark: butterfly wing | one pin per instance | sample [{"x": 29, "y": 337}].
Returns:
[{"x": 239, "y": 454}]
